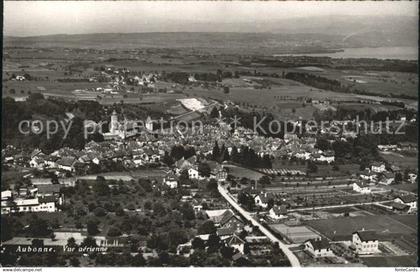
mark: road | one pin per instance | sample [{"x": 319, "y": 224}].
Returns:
[
  {"x": 339, "y": 206},
  {"x": 289, "y": 254}
]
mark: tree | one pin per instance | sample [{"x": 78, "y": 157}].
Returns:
[
  {"x": 159, "y": 209},
  {"x": 89, "y": 242},
  {"x": 198, "y": 243},
  {"x": 114, "y": 231},
  {"x": 74, "y": 262},
  {"x": 312, "y": 167},
  {"x": 138, "y": 260},
  {"x": 213, "y": 242},
  {"x": 216, "y": 152},
  {"x": 147, "y": 205},
  {"x": 226, "y": 89},
  {"x": 100, "y": 187},
  {"x": 214, "y": 112},
  {"x": 246, "y": 200},
  {"x": 207, "y": 228},
  {"x": 264, "y": 180},
  {"x": 99, "y": 211},
  {"x": 187, "y": 211},
  {"x": 227, "y": 252},
  {"x": 35, "y": 97},
  {"x": 398, "y": 178},
  {"x": 71, "y": 243},
  {"x": 92, "y": 227},
  {"x": 184, "y": 177},
  {"x": 212, "y": 187},
  {"x": 204, "y": 169},
  {"x": 167, "y": 159},
  {"x": 39, "y": 227},
  {"x": 322, "y": 144},
  {"x": 198, "y": 258}
]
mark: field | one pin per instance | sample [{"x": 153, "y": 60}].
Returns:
[
  {"x": 409, "y": 187},
  {"x": 391, "y": 261},
  {"x": 376, "y": 82},
  {"x": 402, "y": 161},
  {"x": 298, "y": 234},
  {"x": 342, "y": 228},
  {"x": 241, "y": 172}
]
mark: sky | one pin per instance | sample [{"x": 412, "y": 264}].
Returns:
[{"x": 33, "y": 18}]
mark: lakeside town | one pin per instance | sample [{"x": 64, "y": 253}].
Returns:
[{"x": 207, "y": 150}]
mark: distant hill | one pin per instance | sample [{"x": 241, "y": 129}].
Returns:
[{"x": 312, "y": 33}]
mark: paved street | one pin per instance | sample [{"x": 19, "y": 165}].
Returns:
[{"x": 285, "y": 248}]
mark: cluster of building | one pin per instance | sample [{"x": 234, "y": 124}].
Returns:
[
  {"x": 35, "y": 198},
  {"x": 364, "y": 242}
]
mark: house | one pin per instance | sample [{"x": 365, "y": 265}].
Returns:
[
  {"x": 50, "y": 190},
  {"x": 399, "y": 207},
  {"x": 67, "y": 164},
  {"x": 365, "y": 242},
  {"x": 262, "y": 200},
  {"x": 378, "y": 167},
  {"x": 409, "y": 200},
  {"x": 225, "y": 233},
  {"x": 6, "y": 195},
  {"x": 278, "y": 212},
  {"x": 327, "y": 156},
  {"x": 367, "y": 175},
  {"x": 220, "y": 174},
  {"x": 387, "y": 178},
  {"x": 193, "y": 173},
  {"x": 41, "y": 181},
  {"x": 183, "y": 163},
  {"x": 412, "y": 177},
  {"x": 361, "y": 187},
  {"x": 318, "y": 247},
  {"x": 171, "y": 181},
  {"x": 225, "y": 219},
  {"x": 45, "y": 204},
  {"x": 37, "y": 162},
  {"x": 51, "y": 162},
  {"x": 237, "y": 243},
  {"x": 387, "y": 147}
]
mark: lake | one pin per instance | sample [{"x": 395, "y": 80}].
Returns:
[{"x": 402, "y": 52}]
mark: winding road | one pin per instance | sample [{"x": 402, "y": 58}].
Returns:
[{"x": 294, "y": 261}]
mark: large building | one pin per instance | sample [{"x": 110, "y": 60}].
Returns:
[
  {"x": 318, "y": 247},
  {"x": 365, "y": 242},
  {"x": 126, "y": 128}
]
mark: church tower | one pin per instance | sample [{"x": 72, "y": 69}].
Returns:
[
  {"x": 113, "y": 128},
  {"x": 149, "y": 124}
]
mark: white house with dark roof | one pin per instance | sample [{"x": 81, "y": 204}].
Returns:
[
  {"x": 365, "y": 242},
  {"x": 409, "y": 200},
  {"x": 361, "y": 187},
  {"x": 367, "y": 175},
  {"x": 318, "y": 247},
  {"x": 67, "y": 164},
  {"x": 261, "y": 200},
  {"x": 387, "y": 178},
  {"x": 278, "y": 212},
  {"x": 171, "y": 181},
  {"x": 378, "y": 167}
]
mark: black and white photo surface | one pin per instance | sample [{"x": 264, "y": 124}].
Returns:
[{"x": 230, "y": 134}]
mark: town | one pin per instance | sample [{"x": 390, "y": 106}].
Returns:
[{"x": 177, "y": 155}]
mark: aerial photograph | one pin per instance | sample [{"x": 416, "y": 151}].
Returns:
[{"x": 209, "y": 134}]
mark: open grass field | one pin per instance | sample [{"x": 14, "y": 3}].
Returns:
[
  {"x": 409, "y": 187},
  {"x": 241, "y": 172},
  {"x": 297, "y": 234},
  {"x": 391, "y": 261},
  {"x": 371, "y": 81},
  {"x": 384, "y": 225},
  {"x": 402, "y": 161}
]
